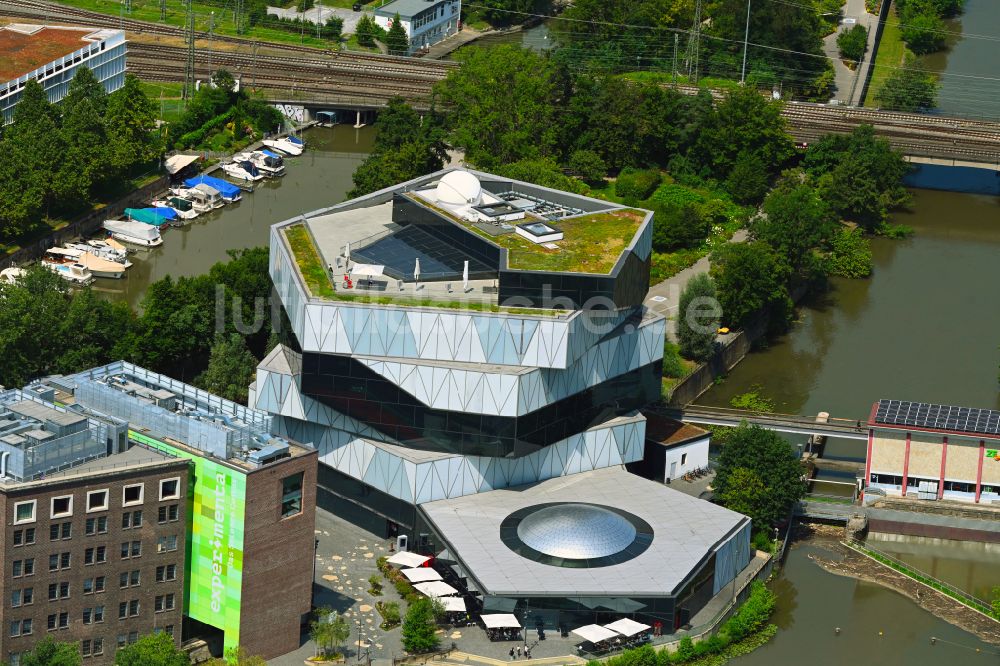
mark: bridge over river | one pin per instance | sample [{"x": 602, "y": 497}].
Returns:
[{"x": 787, "y": 423}]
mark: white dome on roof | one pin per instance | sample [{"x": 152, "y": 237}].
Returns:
[
  {"x": 459, "y": 188},
  {"x": 576, "y": 531}
]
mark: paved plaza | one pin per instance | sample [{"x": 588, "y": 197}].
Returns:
[{"x": 345, "y": 560}]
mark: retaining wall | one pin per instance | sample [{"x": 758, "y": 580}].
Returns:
[{"x": 86, "y": 224}]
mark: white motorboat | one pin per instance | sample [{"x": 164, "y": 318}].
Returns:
[
  {"x": 11, "y": 275},
  {"x": 65, "y": 264},
  {"x": 184, "y": 208},
  {"x": 268, "y": 162},
  {"x": 284, "y": 145},
  {"x": 98, "y": 267},
  {"x": 197, "y": 201},
  {"x": 243, "y": 170},
  {"x": 202, "y": 197},
  {"x": 111, "y": 249},
  {"x": 112, "y": 256},
  {"x": 134, "y": 233}
]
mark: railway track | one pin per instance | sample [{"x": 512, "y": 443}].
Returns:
[{"x": 36, "y": 9}]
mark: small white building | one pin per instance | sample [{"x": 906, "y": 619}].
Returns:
[
  {"x": 673, "y": 448},
  {"x": 51, "y": 55},
  {"x": 426, "y": 21}
]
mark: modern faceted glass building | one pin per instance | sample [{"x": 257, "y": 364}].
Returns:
[{"x": 463, "y": 333}]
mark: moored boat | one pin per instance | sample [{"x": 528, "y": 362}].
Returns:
[
  {"x": 284, "y": 145},
  {"x": 267, "y": 162},
  {"x": 183, "y": 208},
  {"x": 112, "y": 256},
  {"x": 199, "y": 200},
  {"x": 65, "y": 263},
  {"x": 11, "y": 275},
  {"x": 98, "y": 267},
  {"x": 243, "y": 170},
  {"x": 230, "y": 193},
  {"x": 134, "y": 233}
]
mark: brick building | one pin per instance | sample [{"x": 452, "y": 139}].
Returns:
[{"x": 137, "y": 504}]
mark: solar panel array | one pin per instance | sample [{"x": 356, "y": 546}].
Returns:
[{"x": 938, "y": 417}]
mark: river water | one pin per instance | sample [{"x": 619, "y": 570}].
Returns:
[
  {"x": 320, "y": 177},
  {"x": 970, "y": 85},
  {"x": 926, "y": 327}
]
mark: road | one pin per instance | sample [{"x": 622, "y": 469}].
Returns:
[{"x": 848, "y": 82}]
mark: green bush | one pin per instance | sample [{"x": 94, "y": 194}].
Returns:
[
  {"x": 851, "y": 255},
  {"x": 853, "y": 43},
  {"x": 634, "y": 185},
  {"x": 672, "y": 364},
  {"x": 675, "y": 228}
]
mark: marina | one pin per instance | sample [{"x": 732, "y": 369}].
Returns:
[{"x": 208, "y": 206}]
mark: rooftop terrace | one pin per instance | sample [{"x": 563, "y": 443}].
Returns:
[{"x": 451, "y": 240}]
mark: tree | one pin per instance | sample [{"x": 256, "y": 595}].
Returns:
[
  {"x": 797, "y": 223},
  {"x": 152, "y": 650},
  {"x": 679, "y": 227},
  {"x": 231, "y": 368},
  {"x": 407, "y": 145},
  {"x": 744, "y": 123},
  {"x": 224, "y": 80},
  {"x": 698, "y": 315},
  {"x": 853, "y": 43},
  {"x": 130, "y": 122},
  {"x": 504, "y": 103},
  {"x": 544, "y": 172},
  {"x": 751, "y": 455},
  {"x": 419, "y": 628},
  {"x": 396, "y": 40},
  {"x": 922, "y": 28},
  {"x": 85, "y": 86},
  {"x": 744, "y": 493},
  {"x": 588, "y": 166},
  {"x": 85, "y": 159},
  {"x": 748, "y": 180},
  {"x": 34, "y": 147},
  {"x": 750, "y": 279},
  {"x": 366, "y": 30},
  {"x": 859, "y": 175},
  {"x": 908, "y": 89},
  {"x": 48, "y": 652}
]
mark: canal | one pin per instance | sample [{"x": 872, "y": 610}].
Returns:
[
  {"x": 967, "y": 68},
  {"x": 813, "y": 603},
  {"x": 320, "y": 177},
  {"x": 925, "y": 326}
]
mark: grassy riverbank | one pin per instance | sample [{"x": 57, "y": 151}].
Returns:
[{"x": 890, "y": 56}]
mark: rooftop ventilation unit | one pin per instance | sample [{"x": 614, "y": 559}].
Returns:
[{"x": 275, "y": 450}]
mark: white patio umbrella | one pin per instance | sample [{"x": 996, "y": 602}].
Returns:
[
  {"x": 465, "y": 277},
  {"x": 416, "y": 269},
  {"x": 421, "y": 575}
]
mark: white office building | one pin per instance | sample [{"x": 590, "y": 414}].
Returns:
[
  {"x": 51, "y": 55},
  {"x": 426, "y": 21}
]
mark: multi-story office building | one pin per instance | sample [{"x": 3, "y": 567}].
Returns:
[
  {"x": 426, "y": 22},
  {"x": 481, "y": 334},
  {"x": 51, "y": 55},
  {"x": 137, "y": 504}
]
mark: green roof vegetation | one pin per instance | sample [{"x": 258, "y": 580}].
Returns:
[
  {"x": 314, "y": 272},
  {"x": 591, "y": 243}
]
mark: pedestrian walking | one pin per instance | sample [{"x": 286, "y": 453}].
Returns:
[
  {"x": 527, "y": 653},
  {"x": 512, "y": 654},
  {"x": 518, "y": 651}
]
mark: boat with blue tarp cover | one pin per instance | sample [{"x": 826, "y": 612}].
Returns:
[
  {"x": 147, "y": 216},
  {"x": 229, "y": 192}
]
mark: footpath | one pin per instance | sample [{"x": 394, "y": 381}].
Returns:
[
  {"x": 850, "y": 83},
  {"x": 664, "y": 297}
]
